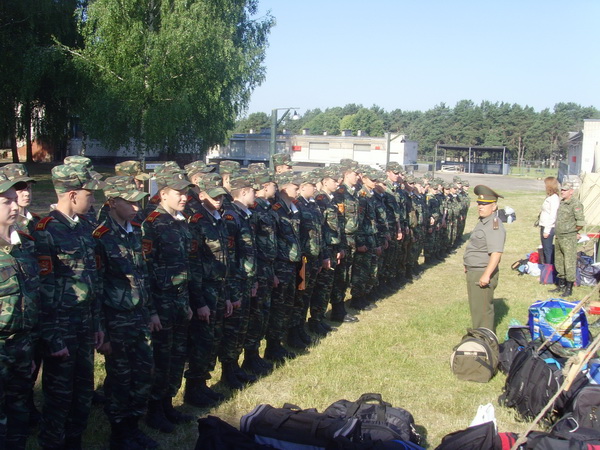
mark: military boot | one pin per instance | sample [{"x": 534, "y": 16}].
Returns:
[
  {"x": 314, "y": 326},
  {"x": 242, "y": 375},
  {"x": 172, "y": 415},
  {"x": 73, "y": 443},
  {"x": 276, "y": 353},
  {"x": 209, "y": 392},
  {"x": 155, "y": 418},
  {"x": 294, "y": 340},
  {"x": 138, "y": 435},
  {"x": 229, "y": 378},
  {"x": 194, "y": 395},
  {"x": 303, "y": 335},
  {"x": 568, "y": 289},
  {"x": 253, "y": 363},
  {"x": 338, "y": 314},
  {"x": 121, "y": 439},
  {"x": 560, "y": 285}
]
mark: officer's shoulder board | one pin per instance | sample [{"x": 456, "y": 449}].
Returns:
[
  {"x": 43, "y": 223},
  {"x": 152, "y": 216},
  {"x": 136, "y": 224},
  {"x": 100, "y": 231},
  {"x": 25, "y": 235},
  {"x": 196, "y": 217},
  {"x": 190, "y": 198},
  {"x": 276, "y": 206}
]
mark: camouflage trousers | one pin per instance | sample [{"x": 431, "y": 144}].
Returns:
[
  {"x": 236, "y": 325},
  {"x": 362, "y": 269},
  {"x": 302, "y": 297},
  {"x": 408, "y": 245},
  {"x": 389, "y": 267},
  {"x": 204, "y": 338},
  {"x": 341, "y": 277},
  {"x": 169, "y": 345},
  {"x": 68, "y": 384},
  {"x": 282, "y": 300},
  {"x": 16, "y": 353},
  {"x": 417, "y": 246},
  {"x": 129, "y": 365},
  {"x": 565, "y": 256},
  {"x": 260, "y": 306},
  {"x": 321, "y": 293}
]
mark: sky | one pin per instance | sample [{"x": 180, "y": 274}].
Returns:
[{"x": 413, "y": 55}]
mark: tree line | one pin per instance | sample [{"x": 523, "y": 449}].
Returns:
[
  {"x": 531, "y": 135},
  {"x": 164, "y": 75}
]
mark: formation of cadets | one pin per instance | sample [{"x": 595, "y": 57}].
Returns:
[{"x": 219, "y": 261}]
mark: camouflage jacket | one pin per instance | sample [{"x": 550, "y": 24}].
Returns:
[
  {"x": 332, "y": 224},
  {"x": 346, "y": 200},
  {"x": 311, "y": 229},
  {"x": 209, "y": 236},
  {"x": 19, "y": 285},
  {"x": 193, "y": 204},
  {"x": 66, "y": 253},
  {"x": 433, "y": 204},
  {"x": 365, "y": 234},
  {"x": 241, "y": 243},
  {"x": 382, "y": 234},
  {"x": 264, "y": 221},
  {"x": 151, "y": 205},
  {"x": 396, "y": 201},
  {"x": 167, "y": 247},
  {"x": 288, "y": 232},
  {"x": 569, "y": 216},
  {"x": 27, "y": 223},
  {"x": 124, "y": 283}
]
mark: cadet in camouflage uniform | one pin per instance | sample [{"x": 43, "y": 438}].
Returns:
[
  {"x": 264, "y": 223},
  {"x": 27, "y": 220},
  {"x": 314, "y": 259},
  {"x": 395, "y": 202},
  {"x": 129, "y": 315},
  {"x": 167, "y": 247},
  {"x": 18, "y": 318},
  {"x": 92, "y": 214},
  {"x": 346, "y": 199},
  {"x": 241, "y": 280},
  {"x": 211, "y": 304},
  {"x": 408, "y": 237},
  {"x": 164, "y": 170},
  {"x": 282, "y": 162},
  {"x": 382, "y": 230},
  {"x": 286, "y": 266},
  {"x": 195, "y": 171},
  {"x": 423, "y": 217},
  {"x": 70, "y": 308},
  {"x": 433, "y": 227},
  {"x": 569, "y": 221},
  {"x": 332, "y": 237}
]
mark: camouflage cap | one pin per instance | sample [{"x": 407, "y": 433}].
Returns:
[
  {"x": 348, "y": 164},
  {"x": 17, "y": 172},
  {"x": 131, "y": 169},
  {"x": 83, "y": 161},
  {"x": 394, "y": 166},
  {"x": 283, "y": 179},
  {"x": 456, "y": 179},
  {"x": 257, "y": 167},
  {"x": 465, "y": 183},
  {"x": 373, "y": 175},
  {"x": 212, "y": 184},
  {"x": 419, "y": 181},
  {"x": 167, "y": 168},
  {"x": 197, "y": 167},
  {"x": 260, "y": 178},
  {"x": 123, "y": 187},
  {"x": 409, "y": 179},
  {"x": 6, "y": 183},
  {"x": 231, "y": 167},
  {"x": 72, "y": 177},
  {"x": 309, "y": 177},
  {"x": 282, "y": 159},
  {"x": 173, "y": 180},
  {"x": 428, "y": 176},
  {"x": 567, "y": 185},
  {"x": 239, "y": 181}
]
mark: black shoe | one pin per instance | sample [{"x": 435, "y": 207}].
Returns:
[
  {"x": 121, "y": 439},
  {"x": 328, "y": 328},
  {"x": 229, "y": 377},
  {"x": 253, "y": 363},
  {"x": 194, "y": 395},
  {"x": 244, "y": 376},
  {"x": 210, "y": 393},
  {"x": 303, "y": 335},
  {"x": 346, "y": 318},
  {"x": 276, "y": 353},
  {"x": 174, "y": 416},
  {"x": 294, "y": 340},
  {"x": 138, "y": 435},
  {"x": 73, "y": 443},
  {"x": 316, "y": 328},
  {"x": 568, "y": 289},
  {"x": 156, "y": 419}
]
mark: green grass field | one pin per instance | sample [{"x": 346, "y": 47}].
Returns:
[{"x": 400, "y": 349}]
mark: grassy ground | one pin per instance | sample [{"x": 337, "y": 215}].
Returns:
[{"x": 400, "y": 349}]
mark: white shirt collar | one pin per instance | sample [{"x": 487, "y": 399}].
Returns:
[
  {"x": 15, "y": 239},
  {"x": 293, "y": 208},
  {"x": 179, "y": 216}
]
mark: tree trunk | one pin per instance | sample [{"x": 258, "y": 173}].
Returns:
[
  {"x": 13, "y": 135},
  {"x": 27, "y": 125}
]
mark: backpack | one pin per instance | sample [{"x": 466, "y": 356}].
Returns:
[
  {"x": 587, "y": 273},
  {"x": 585, "y": 407},
  {"x": 379, "y": 420},
  {"x": 216, "y": 434},
  {"x": 518, "y": 338},
  {"x": 475, "y": 358},
  {"x": 478, "y": 437},
  {"x": 293, "y": 428},
  {"x": 547, "y": 317},
  {"x": 532, "y": 381}
]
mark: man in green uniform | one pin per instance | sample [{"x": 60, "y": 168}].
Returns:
[
  {"x": 569, "y": 221},
  {"x": 19, "y": 298},
  {"x": 27, "y": 220},
  {"x": 129, "y": 315},
  {"x": 282, "y": 162},
  {"x": 482, "y": 257},
  {"x": 70, "y": 307},
  {"x": 395, "y": 202}
]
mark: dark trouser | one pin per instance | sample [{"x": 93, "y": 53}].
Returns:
[
  {"x": 16, "y": 354},
  {"x": 204, "y": 337},
  {"x": 547, "y": 246},
  {"x": 260, "y": 306},
  {"x": 362, "y": 268},
  {"x": 68, "y": 385},
  {"x": 236, "y": 325},
  {"x": 481, "y": 300},
  {"x": 341, "y": 277},
  {"x": 321, "y": 294},
  {"x": 129, "y": 366},
  {"x": 302, "y": 299},
  {"x": 282, "y": 300},
  {"x": 169, "y": 345}
]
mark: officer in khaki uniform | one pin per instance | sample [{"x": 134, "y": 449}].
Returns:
[{"x": 482, "y": 257}]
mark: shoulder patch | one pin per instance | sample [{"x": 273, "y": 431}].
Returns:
[
  {"x": 341, "y": 190},
  {"x": 228, "y": 217},
  {"x": 136, "y": 224},
  {"x": 254, "y": 205},
  {"x": 28, "y": 236},
  {"x": 146, "y": 246},
  {"x": 276, "y": 206},
  {"x": 41, "y": 226},
  {"x": 152, "y": 216},
  {"x": 45, "y": 263},
  {"x": 196, "y": 217},
  {"x": 319, "y": 197},
  {"x": 100, "y": 231}
]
